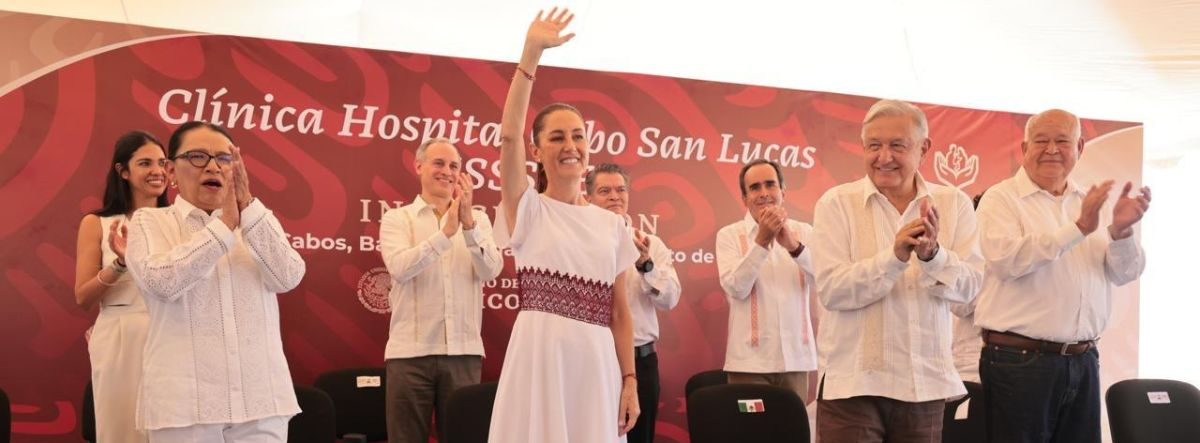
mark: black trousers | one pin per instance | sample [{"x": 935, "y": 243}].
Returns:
[{"x": 648, "y": 391}]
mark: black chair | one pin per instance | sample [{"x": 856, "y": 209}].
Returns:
[
  {"x": 973, "y": 428},
  {"x": 359, "y": 410},
  {"x": 316, "y": 423},
  {"x": 87, "y": 417},
  {"x": 746, "y": 413},
  {"x": 704, "y": 379},
  {"x": 5, "y": 418},
  {"x": 1159, "y": 411},
  {"x": 469, "y": 413}
]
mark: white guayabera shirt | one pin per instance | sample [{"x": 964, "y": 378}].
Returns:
[
  {"x": 1046, "y": 279},
  {"x": 658, "y": 289},
  {"x": 887, "y": 329},
  {"x": 770, "y": 326},
  {"x": 437, "y": 281},
  {"x": 213, "y": 353}
]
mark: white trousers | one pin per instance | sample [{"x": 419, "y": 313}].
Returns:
[{"x": 266, "y": 430}]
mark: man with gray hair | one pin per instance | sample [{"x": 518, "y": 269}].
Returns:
[
  {"x": 653, "y": 286},
  {"x": 439, "y": 252},
  {"x": 1053, "y": 251},
  {"x": 891, "y": 252}
]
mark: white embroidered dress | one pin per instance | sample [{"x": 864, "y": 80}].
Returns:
[
  {"x": 561, "y": 381},
  {"x": 214, "y": 352}
]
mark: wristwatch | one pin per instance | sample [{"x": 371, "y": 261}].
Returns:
[{"x": 646, "y": 266}]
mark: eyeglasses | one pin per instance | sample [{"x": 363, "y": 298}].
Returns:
[{"x": 200, "y": 159}]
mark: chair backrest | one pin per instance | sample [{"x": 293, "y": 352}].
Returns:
[
  {"x": 87, "y": 417},
  {"x": 316, "y": 423},
  {"x": 359, "y": 403},
  {"x": 5, "y": 418},
  {"x": 739, "y": 412},
  {"x": 970, "y": 428},
  {"x": 703, "y": 380},
  {"x": 1150, "y": 410},
  {"x": 469, "y": 413}
]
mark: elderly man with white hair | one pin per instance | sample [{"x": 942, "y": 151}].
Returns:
[
  {"x": 891, "y": 253},
  {"x": 1046, "y": 297}
]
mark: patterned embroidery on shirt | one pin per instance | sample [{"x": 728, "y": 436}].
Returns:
[
  {"x": 871, "y": 344},
  {"x": 281, "y": 261},
  {"x": 204, "y": 305},
  {"x": 566, "y": 295},
  {"x": 163, "y": 278},
  {"x": 753, "y": 298}
]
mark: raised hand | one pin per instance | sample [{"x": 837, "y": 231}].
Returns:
[
  {"x": 546, "y": 32},
  {"x": 769, "y": 223},
  {"x": 1128, "y": 211},
  {"x": 928, "y": 246},
  {"x": 1089, "y": 210},
  {"x": 451, "y": 226},
  {"x": 466, "y": 191},
  {"x": 785, "y": 237},
  {"x": 908, "y": 238},
  {"x": 642, "y": 243},
  {"x": 241, "y": 181},
  {"x": 116, "y": 240},
  {"x": 231, "y": 213}
]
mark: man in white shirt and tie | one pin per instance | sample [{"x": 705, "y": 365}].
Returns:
[
  {"x": 653, "y": 285},
  {"x": 439, "y": 252},
  {"x": 891, "y": 252},
  {"x": 1053, "y": 251},
  {"x": 766, "y": 272}
]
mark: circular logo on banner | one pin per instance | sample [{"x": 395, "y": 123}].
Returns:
[{"x": 373, "y": 289}]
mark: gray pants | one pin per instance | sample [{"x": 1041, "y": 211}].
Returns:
[{"x": 418, "y": 385}]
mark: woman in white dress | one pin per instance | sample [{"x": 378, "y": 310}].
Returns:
[
  {"x": 568, "y": 372},
  {"x": 137, "y": 178}
]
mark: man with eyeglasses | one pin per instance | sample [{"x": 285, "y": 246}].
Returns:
[
  {"x": 439, "y": 252},
  {"x": 1054, "y": 250},
  {"x": 891, "y": 252}
]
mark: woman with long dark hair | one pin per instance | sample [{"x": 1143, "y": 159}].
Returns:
[
  {"x": 137, "y": 178},
  {"x": 568, "y": 372}
]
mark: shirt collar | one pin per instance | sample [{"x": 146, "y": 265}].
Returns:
[
  {"x": 869, "y": 189},
  {"x": 1026, "y": 187},
  {"x": 419, "y": 204},
  {"x": 188, "y": 209},
  {"x": 749, "y": 220}
]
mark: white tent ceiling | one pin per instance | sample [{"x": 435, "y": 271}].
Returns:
[
  {"x": 1135, "y": 60},
  {"x": 1118, "y": 59}
]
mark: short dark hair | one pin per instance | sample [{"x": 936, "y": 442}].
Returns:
[
  {"x": 589, "y": 181},
  {"x": 756, "y": 162},
  {"x": 118, "y": 197},
  {"x": 176, "y": 140}
]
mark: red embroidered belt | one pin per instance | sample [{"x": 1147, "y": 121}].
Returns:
[{"x": 566, "y": 295}]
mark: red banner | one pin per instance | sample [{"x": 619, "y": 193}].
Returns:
[{"x": 329, "y": 135}]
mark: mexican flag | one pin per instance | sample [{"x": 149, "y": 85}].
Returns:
[{"x": 751, "y": 406}]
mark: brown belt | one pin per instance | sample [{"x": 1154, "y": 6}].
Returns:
[{"x": 1010, "y": 340}]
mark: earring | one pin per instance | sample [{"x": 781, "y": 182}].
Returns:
[{"x": 173, "y": 184}]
